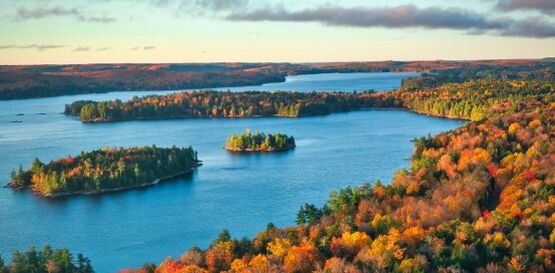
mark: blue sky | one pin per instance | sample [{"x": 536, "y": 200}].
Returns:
[{"x": 87, "y": 31}]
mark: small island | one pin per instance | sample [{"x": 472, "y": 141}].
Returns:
[
  {"x": 259, "y": 142},
  {"x": 105, "y": 170}
]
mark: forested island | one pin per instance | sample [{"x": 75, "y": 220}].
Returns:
[
  {"x": 47, "y": 260},
  {"x": 468, "y": 100},
  {"x": 259, "y": 142},
  {"x": 104, "y": 170},
  {"x": 32, "y": 81},
  {"x": 216, "y": 104}
]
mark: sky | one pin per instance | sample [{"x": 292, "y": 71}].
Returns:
[{"x": 173, "y": 31}]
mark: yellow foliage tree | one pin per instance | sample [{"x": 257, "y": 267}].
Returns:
[
  {"x": 259, "y": 263},
  {"x": 301, "y": 259},
  {"x": 413, "y": 235},
  {"x": 349, "y": 244},
  {"x": 192, "y": 269},
  {"x": 279, "y": 247}
]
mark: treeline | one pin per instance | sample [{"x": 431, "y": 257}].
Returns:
[
  {"x": 47, "y": 260},
  {"x": 19, "y": 82},
  {"x": 75, "y": 107},
  {"x": 458, "y": 72},
  {"x": 447, "y": 71},
  {"x": 205, "y": 104},
  {"x": 259, "y": 142},
  {"x": 31, "y": 81},
  {"x": 480, "y": 198},
  {"x": 473, "y": 100},
  {"x": 468, "y": 100},
  {"x": 104, "y": 170}
]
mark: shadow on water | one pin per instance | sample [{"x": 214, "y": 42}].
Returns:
[
  {"x": 257, "y": 155},
  {"x": 187, "y": 179}
]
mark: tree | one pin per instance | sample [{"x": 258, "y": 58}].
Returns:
[
  {"x": 349, "y": 244},
  {"x": 219, "y": 257},
  {"x": 223, "y": 236},
  {"x": 19, "y": 263},
  {"x": 259, "y": 263},
  {"x": 83, "y": 264},
  {"x": 381, "y": 224},
  {"x": 33, "y": 261},
  {"x": 302, "y": 259},
  {"x": 192, "y": 257},
  {"x": 3, "y": 268},
  {"x": 272, "y": 226},
  {"x": 279, "y": 247},
  {"x": 308, "y": 214}
]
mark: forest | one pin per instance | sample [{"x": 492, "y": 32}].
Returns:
[
  {"x": 473, "y": 100},
  {"x": 47, "y": 260},
  {"x": 216, "y": 104},
  {"x": 476, "y": 199},
  {"x": 107, "y": 169},
  {"x": 480, "y": 198},
  {"x": 468, "y": 100},
  {"x": 19, "y": 82},
  {"x": 259, "y": 142},
  {"x": 32, "y": 81}
]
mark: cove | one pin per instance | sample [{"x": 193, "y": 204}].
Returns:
[{"x": 239, "y": 192}]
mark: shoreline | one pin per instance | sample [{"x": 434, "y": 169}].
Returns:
[
  {"x": 258, "y": 150},
  {"x": 96, "y": 121},
  {"x": 155, "y": 119},
  {"x": 419, "y": 113},
  {"x": 99, "y": 191},
  {"x": 172, "y": 89},
  {"x": 143, "y": 90}
]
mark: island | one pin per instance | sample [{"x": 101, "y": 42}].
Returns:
[
  {"x": 105, "y": 170},
  {"x": 467, "y": 101},
  {"x": 259, "y": 142},
  {"x": 217, "y": 104}
]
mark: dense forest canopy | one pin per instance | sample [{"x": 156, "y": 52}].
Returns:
[
  {"x": 476, "y": 199},
  {"x": 474, "y": 100},
  {"x": 103, "y": 170},
  {"x": 205, "y": 104},
  {"x": 480, "y": 198},
  {"x": 467, "y": 100},
  {"x": 30, "y": 81},
  {"x": 259, "y": 142},
  {"x": 17, "y": 82}
]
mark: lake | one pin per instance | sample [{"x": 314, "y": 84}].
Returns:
[{"x": 239, "y": 192}]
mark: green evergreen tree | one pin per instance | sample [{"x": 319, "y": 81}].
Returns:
[{"x": 223, "y": 236}]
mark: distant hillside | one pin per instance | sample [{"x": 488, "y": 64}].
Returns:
[{"x": 31, "y": 81}]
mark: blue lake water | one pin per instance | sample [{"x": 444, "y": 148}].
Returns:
[
  {"x": 347, "y": 82},
  {"x": 239, "y": 192}
]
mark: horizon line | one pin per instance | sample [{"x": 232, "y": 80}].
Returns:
[{"x": 286, "y": 62}]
